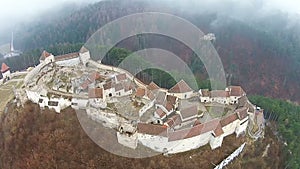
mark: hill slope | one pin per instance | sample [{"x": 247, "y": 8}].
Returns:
[
  {"x": 261, "y": 55},
  {"x": 32, "y": 139}
]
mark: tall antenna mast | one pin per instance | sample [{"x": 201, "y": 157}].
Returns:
[{"x": 12, "y": 42}]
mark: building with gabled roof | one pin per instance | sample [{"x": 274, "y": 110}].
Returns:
[
  {"x": 83, "y": 49},
  {"x": 150, "y": 95},
  {"x": 242, "y": 114},
  {"x": 97, "y": 98},
  {"x": 189, "y": 113},
  {"x": 204, "y": 95},
  {"x": 96, "y": 93},
  {"x": 173, "y": 121},
  {"x": 46, "y": 57},
  {"x": 4, "y": 68},
  {"x": 160, "y": 114},
  {"x": 173, "y": 100},
  {"x": 160, "y": 98},
  {"x": 152, "y": 129},
  {"x": 84, "y": 55},
  {"x": 219, "y": 96},
  {"x": 70, "y": 59},
  {"x": 153, "y": 86},
  {"x": 230, "y": 95},
  {"x": 95, "y": 76},
  {"x": 235, "y": 92},
  {"x": 140, "y": 92},
  {"x": 181, "y": 90},
  {"x": 5, "y": 71}
]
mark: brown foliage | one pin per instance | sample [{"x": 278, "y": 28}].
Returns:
[{"x": 31, "y": 138}]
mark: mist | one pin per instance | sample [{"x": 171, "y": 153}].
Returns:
[
  {"x": 16, "y": 12},
  {"x": 239, "y": 9}
]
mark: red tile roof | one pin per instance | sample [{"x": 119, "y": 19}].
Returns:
[
  {"x": 171, "y": 99},
  {"x": 83, "y": 50},
  {"x": 44, "y": 55},
  {"x": 121, "y": 77},
  {"x": 228, "y": 119},
  {"x": 168, "y": 106},
  {"x": 242, "y": 113},
  {"x": 150, "y": 95},
  {"x": 4, "y": 68},
  {"x": 95, "y": 93},
  {"x": 219, "y": 93},
  {"x": 174, "y": 120},
  {"x": 152, "y": 129},
  {"x": 153, "y": 86},
  {"x": 181, "y": 87},
  {"x": 193, "y": 131},
  {"x": 140, "y": 92},
  {"x": 189, "y": 112},
  {"x": 197, "y": 122},
  {"x": 218, "y": 131},
  {"x": 66, "y": 56},
  {"x": 160, "y": 112},
  {"x": 236, "y": 91},
  {"x": 94, "y": 76},
  {"x": 161, "y": 97},
  {"x": 107, "y": 85}
]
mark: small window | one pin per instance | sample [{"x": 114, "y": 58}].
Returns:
[
  {"x": 109, "y": 94},
  {"x": 52, "y": 103}
]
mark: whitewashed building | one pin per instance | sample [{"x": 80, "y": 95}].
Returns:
[
  {"x": 70, "y": 59},
  {"x": 5, "y": 71},
  {"x": 56, "y": 104},
  {"x": 204, "y": 95},
  {"x": 235, "y": 92},
  {"x": 46, "y": 57},
  {"x": 78, "y": 103},
  {"x": 167, "y": 138},
  {"x": 84, "y": 55},
  {"x": 97, "y": 98},
  {"x": 219, "y": 96},
  {"x": 162, "y": 139}
]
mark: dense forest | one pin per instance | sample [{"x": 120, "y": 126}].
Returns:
[
  {"x": 259, "y": 54},
  {"x": 287, "y": 118}
]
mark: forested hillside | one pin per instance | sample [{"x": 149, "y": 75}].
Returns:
[
  {"x": 287, "y": 118},
  {"x": 262, "y": 55}
]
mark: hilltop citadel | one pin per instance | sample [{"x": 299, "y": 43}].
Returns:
[{"x": 166, "y": 120}]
